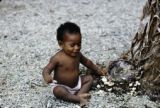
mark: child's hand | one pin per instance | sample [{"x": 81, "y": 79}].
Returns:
[
  {"x": 49, "y": 79},
  {"x": 102, "y": 71}
]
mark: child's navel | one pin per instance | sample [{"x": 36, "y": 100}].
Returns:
[{"x": 66, "y": 68}]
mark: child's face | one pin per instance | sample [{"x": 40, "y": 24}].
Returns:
[{"x": 71, "y": 44}]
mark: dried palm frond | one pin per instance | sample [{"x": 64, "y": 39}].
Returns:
[{"x": 145, "y": 47}]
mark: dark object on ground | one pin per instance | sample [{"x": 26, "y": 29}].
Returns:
[{"x": 122, "y": 70}]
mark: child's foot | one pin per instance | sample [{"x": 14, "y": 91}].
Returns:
[
  {"x": 85, "y": 95},
  {"x": 83, "y": 102},
  {"x": 84, "y": 99}
]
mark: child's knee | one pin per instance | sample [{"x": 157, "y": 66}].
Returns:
[{"x": 60, "y": 92}]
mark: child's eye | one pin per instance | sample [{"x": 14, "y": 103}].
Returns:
[
  {"x": 79, "y": 44},
  {"x": 72, "y": 45}
]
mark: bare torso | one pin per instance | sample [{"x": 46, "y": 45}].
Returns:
[{"x": 67, "y": 70}]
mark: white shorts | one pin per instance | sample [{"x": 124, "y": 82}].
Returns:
[{"x": 71, "y": 90}]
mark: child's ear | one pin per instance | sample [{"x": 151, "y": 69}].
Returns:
[{"x": 60, "y": 43}]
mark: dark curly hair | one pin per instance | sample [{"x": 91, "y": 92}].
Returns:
[{"x": 67, "y": 27}]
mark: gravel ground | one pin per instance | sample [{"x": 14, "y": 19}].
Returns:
[{"x": 27, "y": 41}]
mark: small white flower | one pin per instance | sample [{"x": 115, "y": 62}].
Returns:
[
  {"x": 110, "y": 89},
  {"x": 109, "y": 83},
  {"x": 104, "y": 79},
  {"x": 98, "y": 86},
  {"x": 133, "y": 89},
  {"x": 137, "y": 83},
  {"x": 131, "y": 84}
]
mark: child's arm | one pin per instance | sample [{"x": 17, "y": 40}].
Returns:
[
  {"x": 89, "y": 64},
  {"x": 48, "y": 69}
]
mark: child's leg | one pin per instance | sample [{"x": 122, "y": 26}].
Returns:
[
  {"x": 87, "y": 81},
  {"x": 62, "y": 93}
]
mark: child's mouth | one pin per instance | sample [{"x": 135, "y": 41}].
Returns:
[{"x": 75, "y": 53}]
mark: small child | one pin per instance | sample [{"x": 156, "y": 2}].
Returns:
[{"x": 67, "y": 83}]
